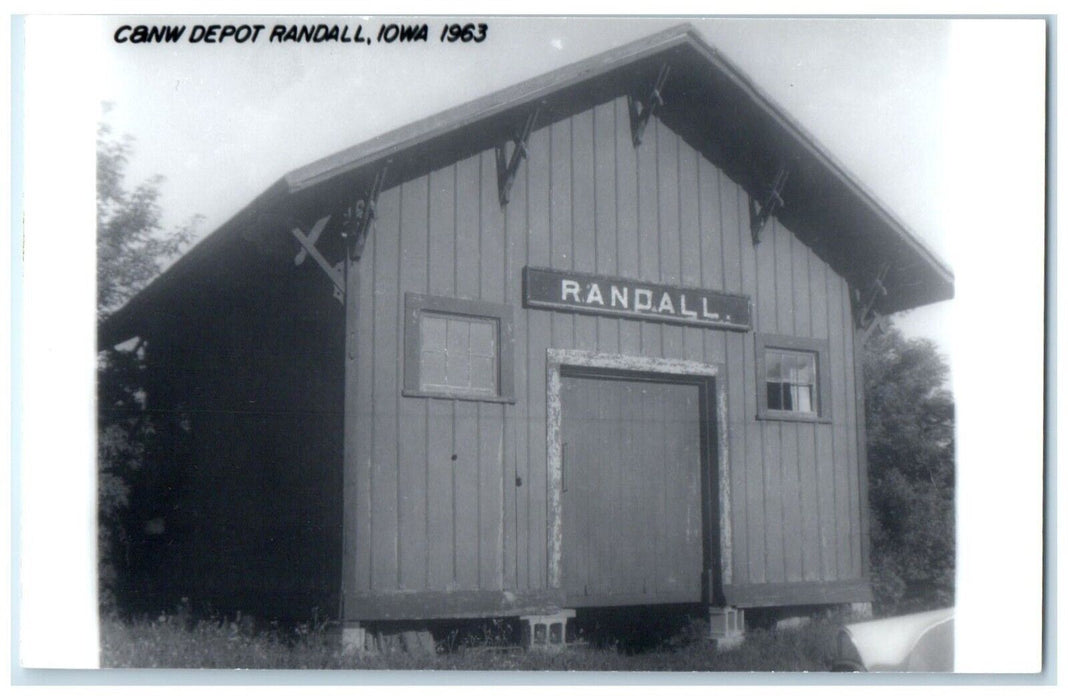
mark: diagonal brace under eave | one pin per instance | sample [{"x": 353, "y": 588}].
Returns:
[
  {"x": 307, "y": 242},
  {"x": 508, "y": 166},
  {"x": 760, "y": 212}
]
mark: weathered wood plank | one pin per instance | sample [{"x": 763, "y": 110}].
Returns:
[
  {"x": 824, "y": 434},
  {"x": 467, "y": 515},
  {"x": 442, "y": 232},
  {"x": 491, "y": 416},
  {"x": 667, "y": 194},
  {"x": 611, "y": 513},
  {"x": 561, "y": 225},
  {"x": 605, "y": 209},
  {"x": 363, "y": 534},
  {"x": 538, "y": 337},
  {"x": 773, "y": 502},
  {"x": 468, "y": 241},
  {"x": 862, "y": 454},
  {"x": 691, "y": 251},
  {"x": 648, "y": 204},
  {"x": 793, "y": 542},
  {"x": 667, "y": 221},
  {"x": 467, "y": 449},
  {"x": 780, "y": 239},
  {"x": 802, "y": 290},
  {"x": 490, "y": 495},
  {"x": 712, "y": 227},
  {"x": 810, "y": 486},
  {"x": 690, "y": 240},
  {"x": 440, "y": 512},
  {"x": 354, "y": 488},
  {"x": 386, "y": 495},
  {"x": 838, "y": 321},
  {"x": 516, "y": 476},
  {"x": 627, "y": 235},
  {"x": 767, "y": 320},
  {"x": 850, "y": 418},
  {"x": 742, "y": 277},
  {"x": 604, "y": 175},
  {"x": 583, "y": 217},
  {"x": 411, "y": 428}
]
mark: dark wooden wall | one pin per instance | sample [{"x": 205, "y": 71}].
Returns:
[
  {"x": 254, "y": 372},
  {"x": 431, "y": 497}
]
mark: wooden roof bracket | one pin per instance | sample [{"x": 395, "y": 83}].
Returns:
[
  {"x": 641, "y": 110},
  {"x": 335, "y": 273},
  {"x": 360, "y": 215},
  {"x": 760, "y": 212},
  {"x": 357, "y": 222},
  {"x": 866, "y": 318},
  {"x": 508, "y": 166}
]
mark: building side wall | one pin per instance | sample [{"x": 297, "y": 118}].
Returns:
[
  {"x": 433, "y": 497},
  {"x": 248, "y": 384}
]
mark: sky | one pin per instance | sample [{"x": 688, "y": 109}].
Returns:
[
  {"x": 222, "y": 123},
  {"x": 943, "y": 120}
]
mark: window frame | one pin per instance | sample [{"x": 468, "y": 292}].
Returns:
[
  {"x": 415, "y": 305},
  {"x": 817, "y": 346}
]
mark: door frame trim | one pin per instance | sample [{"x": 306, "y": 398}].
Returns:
[{"x": 558, "y": 360}]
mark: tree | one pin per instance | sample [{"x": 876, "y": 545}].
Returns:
[
  {"x": 910, "y": 416},
  {"x": 131, "y": 245},
  {"x": 132, "y": 248}
]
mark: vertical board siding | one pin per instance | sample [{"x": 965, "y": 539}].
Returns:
[
  {"x": 538, "y": 327},
  {"x": 441, "y": 220},
  {"x": 412, "y": 419},
  {"x": 385, "y": 395},
  {"x": 515, "y": 476},
  {"x": 466, "y": 428},
  {"x": 453, "y": 495},
  {"x": 785, "y": 294},
  {"x": 668, "y": 232}
]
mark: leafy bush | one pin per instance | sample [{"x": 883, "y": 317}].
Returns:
[{"x": 911, "y": 473}]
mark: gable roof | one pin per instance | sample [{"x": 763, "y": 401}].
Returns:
[{"x": 707, "y": 100}]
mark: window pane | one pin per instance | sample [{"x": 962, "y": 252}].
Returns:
[
  {"x": 433, "y": 333},
  {"x": 775, "y": 396},
  {"x": 459, "y": 337},
  {"x": 773, "y": 363},
  {"x": 791, "y": 379},
  {"x": 432, "y": 368},
  {"x": 482, "y": 338},
  {"x": 483, "y": 373},
  {"x": 458, "y": 370}
]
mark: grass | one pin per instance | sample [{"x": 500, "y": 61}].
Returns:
[{"x": 176, "y": 642}]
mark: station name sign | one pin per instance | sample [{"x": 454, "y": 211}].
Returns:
[{"x": 616, "y": 296}]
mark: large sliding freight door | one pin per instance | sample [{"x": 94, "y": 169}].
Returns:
[{"x": 631, "y": 472}]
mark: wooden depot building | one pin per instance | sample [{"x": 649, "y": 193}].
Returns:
[{"x": 593, "y": 340}]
